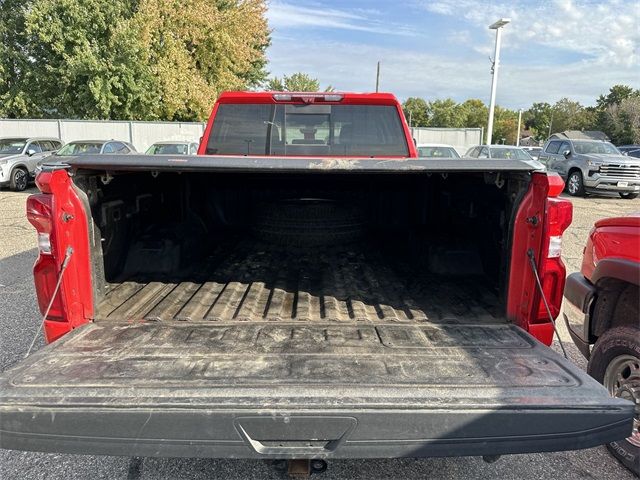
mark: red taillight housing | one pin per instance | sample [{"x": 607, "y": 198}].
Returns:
[
  {"x": 552, "y": 271},
  {"x": 46, "y": 268}
]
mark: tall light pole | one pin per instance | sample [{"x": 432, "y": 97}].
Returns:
[
  {"x": 497, "y": 26},
  {"x": 378, "y": 77},
  {"x": 519, "y": 123}
]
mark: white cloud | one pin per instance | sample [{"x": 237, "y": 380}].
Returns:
[
  {"x": 552, "y": 49},
  {"x": 352, "y": 66},
  {"x": 606, "y": 30},
  {"x": 283, "y": 15}
]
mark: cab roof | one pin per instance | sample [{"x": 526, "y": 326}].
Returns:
[{"x": 347, "y": 98}]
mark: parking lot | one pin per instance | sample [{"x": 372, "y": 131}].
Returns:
[{"x": 19, "y": 320}]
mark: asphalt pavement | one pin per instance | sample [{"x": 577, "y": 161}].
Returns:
[{"x": 19, "y": 321}]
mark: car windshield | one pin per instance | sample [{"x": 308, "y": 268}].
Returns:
[
  {"x": 168, "y": 149},
  {"x": 509, "y": 153},
  {"x": 10, "y": 146},
  {"x": 437, "y": 152},
  {"x": 307, "y": 130},
  {"x": 603, "y": 148},
  {"x": 79, "y": 148}
]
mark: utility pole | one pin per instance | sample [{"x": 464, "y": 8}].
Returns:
[
  {"x": 497, "y": 26},
  {"x": 378, "y": 77},
  {"x": 519, "y": 123},
  {"x": 550, "y": 123}
]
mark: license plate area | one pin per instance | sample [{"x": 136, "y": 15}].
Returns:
[{"x": 623, "y": 184}]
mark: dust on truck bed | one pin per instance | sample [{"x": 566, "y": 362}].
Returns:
[{"x": 256, "y": 281}]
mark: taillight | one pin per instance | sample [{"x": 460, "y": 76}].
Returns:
[
  {"x": 559, "y": 214},
  {"x": 45, "y": 270}
]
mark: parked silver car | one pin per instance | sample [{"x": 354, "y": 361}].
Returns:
[
  {"x": 436, "y": 150},
  {"x": 173, "y": 148},
  {"x": 592, "y": 166},
  {"x": 96, "y": 147},
  {"x": 19, "y": 158},
  {"x": 503, "y": 152}
]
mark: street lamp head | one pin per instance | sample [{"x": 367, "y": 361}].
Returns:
[{"x": 499, "y": 24}]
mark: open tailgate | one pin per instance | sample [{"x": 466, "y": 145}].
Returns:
[{"x": 286, "y": 390}]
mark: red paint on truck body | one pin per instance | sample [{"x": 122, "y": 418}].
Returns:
[
  {"x": 60, "y": 213},
  {"x": 539, "y": 218},
  {"x": 617, "y": 237},
  {"x": 297, "y": 98}
]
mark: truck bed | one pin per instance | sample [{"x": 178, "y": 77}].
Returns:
[{"x": 247, "y": 280}]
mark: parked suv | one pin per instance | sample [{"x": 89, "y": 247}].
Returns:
[
  {"x": 19, "y": 158},
  {"x": 592, "y": 166}
]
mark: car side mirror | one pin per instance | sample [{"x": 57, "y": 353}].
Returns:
[
  {"x": 626, "y": 154},
  {"x": 566, "y": 153},
  {"x": 31, "y": 152}
]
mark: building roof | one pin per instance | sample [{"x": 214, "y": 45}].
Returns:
[{"x": 580, "y": 135}]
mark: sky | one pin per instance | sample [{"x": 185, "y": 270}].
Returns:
[{"x": 442, "y": 48}]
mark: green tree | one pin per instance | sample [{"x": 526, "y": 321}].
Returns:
[
  {"x": 538, "y": 118},
  {"x": 297, "y": 82},
  {"x": 82, "y": 63},
  {"x": 15, "y": 101},
  {"x": 623, "y": 120},
  {"x": 133, "y": 59},
  {"x": 505, "y": 126},
  {"x": 476, "y": 113},
  {"x": 415, "y": 111},
  {"x": 446, "y": 114},
  {"x": 614, "y": 113},
  {"x": 200, "y": 49},
  {"x": 616, "y": 95}
]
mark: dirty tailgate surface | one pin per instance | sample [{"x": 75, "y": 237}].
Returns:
[{"x": 294, "y": 390}]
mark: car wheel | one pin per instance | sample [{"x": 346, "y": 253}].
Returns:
[
  {"x": 628, "y": 195},
  {"x": 615, "y": 362},
  {"x": 19, "y": 179},
  {"x": 575, "y": 184}
]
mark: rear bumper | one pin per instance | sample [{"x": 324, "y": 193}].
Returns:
[
  {"x": 306, "y": 434},
  {"x": 579, "y": 296}
]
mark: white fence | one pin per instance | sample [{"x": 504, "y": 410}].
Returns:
[
  {"x": 460, "y": 138},
  {"x": 144, "y": 134},
  {"x": 141, "y": 134}
]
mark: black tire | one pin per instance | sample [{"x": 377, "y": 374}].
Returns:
[
  {"x": 628, "y": 195},
  {"x": 575, "y": 183},
  {"x": 19, "y": 179},
  {"x": 619, "y": 348},
  {"x": 308, "y": 222}
]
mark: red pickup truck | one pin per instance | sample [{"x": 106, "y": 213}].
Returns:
[
  {"x": 304, "y": 288},
  {"x": 601, "y": 309}
]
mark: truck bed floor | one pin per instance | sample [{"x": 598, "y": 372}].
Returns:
[{"x": 253, "y": 281}]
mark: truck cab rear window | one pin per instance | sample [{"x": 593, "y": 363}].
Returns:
[{"x": 307, "y": 130}]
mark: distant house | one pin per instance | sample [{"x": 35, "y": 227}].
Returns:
[
  {"x": 529, "y": 141},
  {"x": 580, "y": 135},
  {"x": 527, "y": 138}
]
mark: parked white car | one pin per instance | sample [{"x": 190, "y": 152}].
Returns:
[
  {"x": 19, "y": 158},
  {"x": 173, "y": 148},
  {"x": 436, "y": 150}
]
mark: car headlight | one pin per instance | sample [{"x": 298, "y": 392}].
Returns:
[{"x": 593, "y": 163}]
